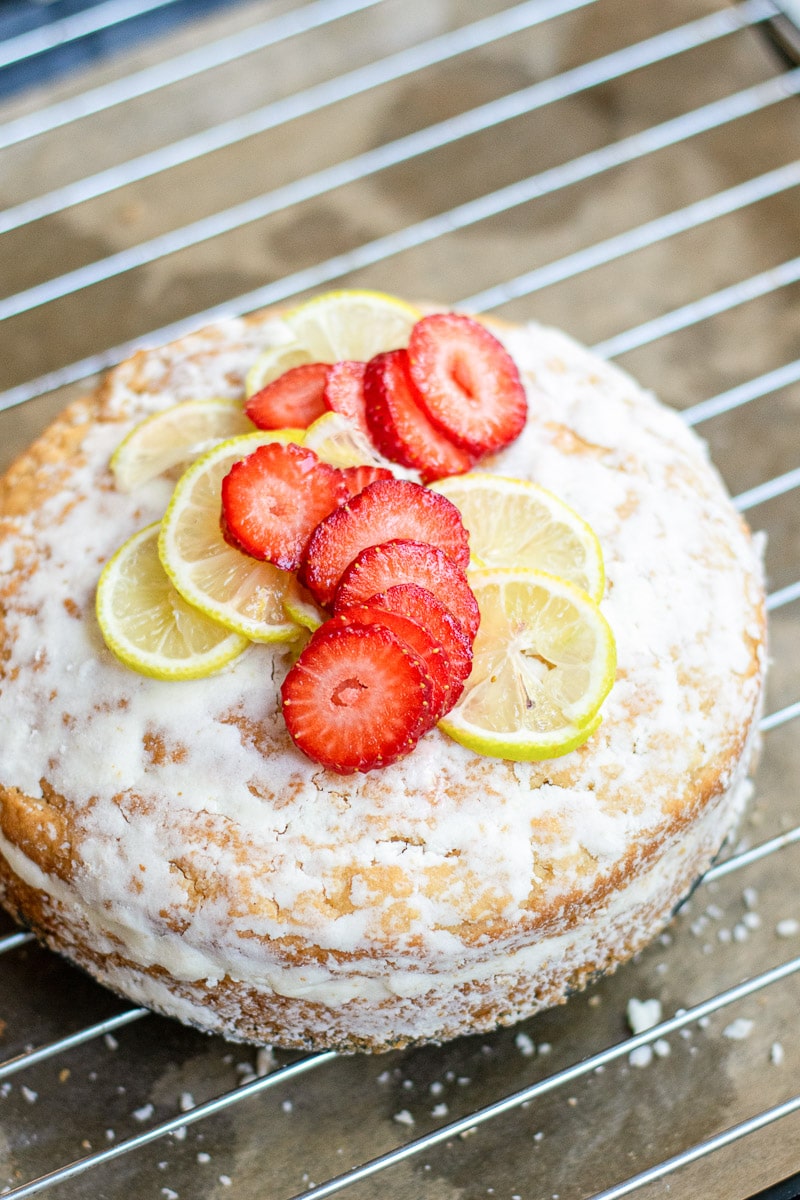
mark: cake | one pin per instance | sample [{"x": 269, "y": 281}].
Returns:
[{"x": 170, "y": 839}]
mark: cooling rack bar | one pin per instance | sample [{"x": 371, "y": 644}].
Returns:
[
  {"x": 781, "y": 717},
  {"x": 659, "y": 229},
  {"x": 699, "y": 310},
  {"x": 75, "y": 27},
  {"x": 491, "y": 204},
  {"x": 246, "y": 1090},
  {"x": 728, "y": 1136},
  {"x": 13, "y": 940},
  {"x": 463, "y": 216},
  {"x": 746, "y": 857},
  {"x": 752, "y": 389},
  {"x": 174, "y": 70},
  {"x": 768, "y": 490},
  {"x": 88, "y": 1034},
  {"x": 784, "y": 595},
  {"x": 559, "y": 1079},
  {"x": 485, "y": 116}
]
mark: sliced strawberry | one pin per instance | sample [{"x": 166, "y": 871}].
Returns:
[
  {"x": 411, "y": 600},
  {"x": 378, "y": 568},
  {"x": 388, "y": 509},
  {"x": 292, "y": 401},
  {"x": 418, "y": 638},
  {"x": 273, "y": 500},
  {"x": 468, "y": 384},
  {"x": 344, "y": 391},
  {"x": 357, "y": 478},
  {"x": 356, "y": 698},
  {"x": 399, "y": 427}
]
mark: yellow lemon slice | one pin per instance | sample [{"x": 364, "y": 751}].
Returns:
[
  {"x": 227, "y": 585},
  {"x": 543, "y": 662},
  {"x": 342, "y": 444},
  {"x": 175, "y": 437},
  {"x": 355, "y": 324},
  {"x": 301, "y": 607},
  {"x": 148, "y": 625},
  {"x": 513, "y": 523}
]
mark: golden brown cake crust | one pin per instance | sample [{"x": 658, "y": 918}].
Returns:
[{"x": 170, "y": 839}]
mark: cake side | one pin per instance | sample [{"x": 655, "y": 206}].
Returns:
[{"x": 444, "y": 861}]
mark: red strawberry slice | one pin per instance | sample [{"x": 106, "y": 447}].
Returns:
[
  {"x": 388, "y": 509},
  {"x": 378, "y": 568},
  {"x": 356, "y": 698},
  {"x": 399, "y": 427},
  {"x": 357, "y": 478},
  {"x": 344, "y": 391},
  {"x": 292, "y": 401},
  {"x": 411, "y": 600},
  {"x": 418, "y": 638},
  {"x": 468, "y": 384},
  {"x": 273, "y": 500}
]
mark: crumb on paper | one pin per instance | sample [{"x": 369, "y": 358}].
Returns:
[
  {"x": 777, "y": 1054},
  {"x": 525, "y": 1045},
  {"x": 788, "y": 927},
  {"x": 643, "y": 1014},
  {"x": 739, "y": 1029},
  {"x": 403, "y": 1117},
  {"x": 186, "y": 1102},
  {"x": 642, "y": 1056},
  {"x": 144, "y": 1113}
]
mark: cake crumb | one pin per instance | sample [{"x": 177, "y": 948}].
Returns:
[
  {"x": 525, "y": 1045},
  {"x": 776, "y": 1054},
  {"x": 144, "y": 1113},
  {"x": 662, "y": 1048},
  {"x": 739, "y": 1029},
  {"x": 186, "y": 1102},
  {"x": 225, "y": 1180},
  {"x": 29, "y": 1094},
  {"x": 787, "y": 928},
  {"x": 287, "y": 1106},
  {"x": 643, "y": 1014},
  {"x": 204, "y": 1157},
  {"x": 439, "y": 1110},
  {"x": 404, "y": 1117},
  {"x": 642, "y": 1056},
  {"x": 110, "y": 1041}
]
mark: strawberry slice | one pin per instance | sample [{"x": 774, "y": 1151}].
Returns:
[
  {"x": 292, "y": 401},
  {"x": 468, "y": 384},
  {"x": 399, "y": 427},
  {"x": 378, "y": 568},
  {"x": 344, "y": 392},
  {"x": 387, "y": 509},
  {"x": 357, "y": 698},
  {"x": 357, "y": 478},
  {"x": 411, "y": 600},
  {"x": 273, "y": 500},
  {"x": 418, "y": 638}
]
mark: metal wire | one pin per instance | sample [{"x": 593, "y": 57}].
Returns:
[
  {"x": 74, "y": 28},
  {"x": 672, "y": 132},
  {"x": 527, "y": 100}
]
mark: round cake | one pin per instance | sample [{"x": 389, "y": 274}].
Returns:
[{"x": 171, "y": 839}]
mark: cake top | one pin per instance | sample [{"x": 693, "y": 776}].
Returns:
[{"x": 190, "y": 799}]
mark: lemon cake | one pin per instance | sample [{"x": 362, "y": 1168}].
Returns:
[{"x": 170, "y": 837}]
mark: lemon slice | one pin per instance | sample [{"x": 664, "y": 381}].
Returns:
[
  {"x": 513, "y": 523},
  {"x": 342, "y": 444},
  {"x": 149, "y": 626},
  {"x": 174, "y": 438},
  {"x": 543, "y": 662},
  {"x": 231, "y": 587},
  {"x": 301, "y": 607},
  {"x": 337, "y": 325}
]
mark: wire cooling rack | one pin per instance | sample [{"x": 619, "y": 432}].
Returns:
[{"x": 627, "y": 171}]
